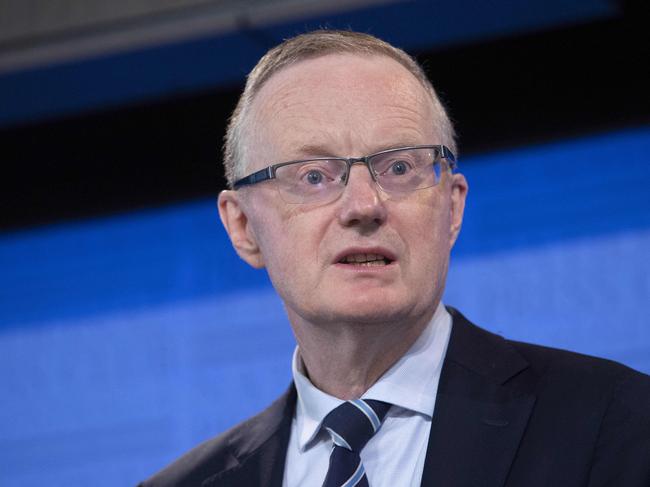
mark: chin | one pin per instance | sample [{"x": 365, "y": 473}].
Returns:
[{"x": 364, "y": 312}]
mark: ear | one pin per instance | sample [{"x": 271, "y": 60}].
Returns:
[
  {"x": 234, "y": 219},
  {"x": 459, "y": 190}
]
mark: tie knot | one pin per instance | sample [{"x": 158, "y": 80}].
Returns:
[{"x": 354, "y": 422}]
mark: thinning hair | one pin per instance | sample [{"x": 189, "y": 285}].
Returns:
[{"x": 308, "y": 46}]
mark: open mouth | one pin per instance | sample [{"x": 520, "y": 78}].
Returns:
[{"x": 365, "y": 260}]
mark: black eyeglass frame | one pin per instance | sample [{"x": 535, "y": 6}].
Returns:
[{"x": 268, "y": 173}]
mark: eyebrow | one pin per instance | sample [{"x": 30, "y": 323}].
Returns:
[
  {"x": 403, "y": 143},
  {"x": 313, "y": 150},
  {"x": 318, "y": 150}
]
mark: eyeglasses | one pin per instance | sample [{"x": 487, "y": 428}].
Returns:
[{"x": 322, "y": 179}]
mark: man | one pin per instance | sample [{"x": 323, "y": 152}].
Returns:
[{"x": 341, "y": 160}]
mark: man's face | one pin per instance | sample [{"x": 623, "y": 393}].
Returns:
[{"x": 346, "y": 105}]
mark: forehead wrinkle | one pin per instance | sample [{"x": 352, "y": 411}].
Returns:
[
  {"x": 292, "y": 107},
  {"x": 288, "y": 99},
  {"x": 407, "y": 110}
]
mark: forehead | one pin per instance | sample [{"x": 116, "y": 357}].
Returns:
[{"x": 348, "y": 102}]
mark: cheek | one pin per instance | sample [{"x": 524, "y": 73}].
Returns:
[
  {"x": 427, "y": 226},
  {"x": 275, "y": 242},
  {"x": 290, "y": 242}
]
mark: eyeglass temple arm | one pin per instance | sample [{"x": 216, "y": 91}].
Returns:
[
  {"x": 256, "y": 177},
  {"x": 447, "y": 154}
]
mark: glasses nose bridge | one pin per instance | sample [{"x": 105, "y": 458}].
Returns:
[{"x": 365, "y": 160}]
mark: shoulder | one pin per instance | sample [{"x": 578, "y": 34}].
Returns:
[
  {"x": 546, "y": 367},
  {"x": 591, "y": 383},
  {"x": 584, "y": 400},
  {"x": 194, "y": 466},
  {"x": 566, "y": 384},
  {"x": 585, "y": 381},
  {"x": 593, "y": 411},
  {"x": 229, "y": 450}
]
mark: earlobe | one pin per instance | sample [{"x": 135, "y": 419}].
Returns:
[
  {"x": 459, "y": 188},
  {"x": 237, "y": 225}
]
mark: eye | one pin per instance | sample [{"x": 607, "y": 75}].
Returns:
[
  {"x": 314, "y": 177},
  {"x": 314, "y": 174},
  {"x": 399, "y": 168}
]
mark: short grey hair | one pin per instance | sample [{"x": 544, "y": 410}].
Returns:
[{"x": 308, "y": 46}]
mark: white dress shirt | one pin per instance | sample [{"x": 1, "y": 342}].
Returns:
[{"x": 394, "y": 456}]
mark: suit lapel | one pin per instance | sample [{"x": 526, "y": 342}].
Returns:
[
  {"x": 260, "y": 449},
  {"x": 481, "y": 411}
]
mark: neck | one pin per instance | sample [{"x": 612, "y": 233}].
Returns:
[{"x": 346, "y": 359}]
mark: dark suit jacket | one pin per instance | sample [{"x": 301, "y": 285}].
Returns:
[{"x": 507, "y": 414}]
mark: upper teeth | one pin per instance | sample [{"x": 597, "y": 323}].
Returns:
[{"x": 363, "y": 257}]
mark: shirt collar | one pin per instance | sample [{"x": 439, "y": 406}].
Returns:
[{"x": 411, "y": 383}]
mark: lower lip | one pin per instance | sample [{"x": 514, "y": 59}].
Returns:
[{"x": 367, "y": 269}]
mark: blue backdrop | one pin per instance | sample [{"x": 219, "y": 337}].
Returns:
[{"x": 126, "y": 340}]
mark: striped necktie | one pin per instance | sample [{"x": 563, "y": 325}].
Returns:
[{"x": 351, "y": 425}]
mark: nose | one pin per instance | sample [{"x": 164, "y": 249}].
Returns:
[{"x": 361, "y": 204}]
